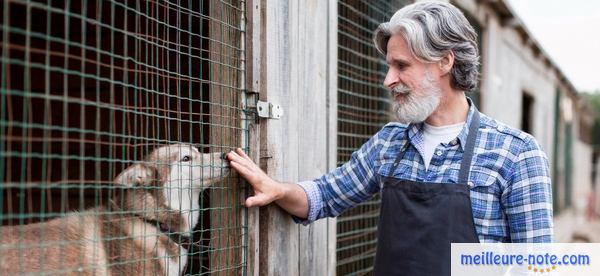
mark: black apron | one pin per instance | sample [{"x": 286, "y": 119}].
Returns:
[{"x": 419, "y": 220}]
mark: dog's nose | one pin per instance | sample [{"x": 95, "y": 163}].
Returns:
[{"x": 224, "y": 156}]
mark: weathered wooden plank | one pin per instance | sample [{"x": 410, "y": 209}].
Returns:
[
  {"x": 311, "y": 84},
  {"x": 225, "y": 75},
  {"x": 253, "y": 83},
  {"x": 332, "y": 122},
  {"x": 295, "y": 147},
  {"x": 278, "y": 240},
  {"x": 253, "y": 214}
]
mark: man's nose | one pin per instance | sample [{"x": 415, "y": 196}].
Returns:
[{"x": 391, "y": 79}]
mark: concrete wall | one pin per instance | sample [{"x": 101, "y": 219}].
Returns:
[{"x": 582, "y": 182}]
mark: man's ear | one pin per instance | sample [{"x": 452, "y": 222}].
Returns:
[
  {"x": 446, "y": 63},
  {"x": 135, "y": 175}
]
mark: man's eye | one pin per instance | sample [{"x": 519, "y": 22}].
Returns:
[
  {"x": 401, "y": 66},
  {"x": 186, "y": 158}
]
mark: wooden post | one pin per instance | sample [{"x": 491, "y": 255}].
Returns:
[
  {"x": 332, "y": 123},
  {"x": 295, "y": 148},
  {"x": 225, "y": 133},
  {"x": 253, "y": 83}
]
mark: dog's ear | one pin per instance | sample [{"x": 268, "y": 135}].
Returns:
[{"x": 136, "y": 175}]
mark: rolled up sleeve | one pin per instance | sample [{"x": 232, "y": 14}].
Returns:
[{"x": 344, "y": 187}]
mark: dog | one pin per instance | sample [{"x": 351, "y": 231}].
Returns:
[{"x": 145, "y": 229}]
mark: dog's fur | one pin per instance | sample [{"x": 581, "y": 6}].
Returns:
[{"x": 122, "y": 238}]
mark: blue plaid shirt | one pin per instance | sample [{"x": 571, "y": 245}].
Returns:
[{"x": 511, "y": 193}]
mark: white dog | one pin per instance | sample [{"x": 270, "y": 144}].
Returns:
[{"x": 145, "y": 230}]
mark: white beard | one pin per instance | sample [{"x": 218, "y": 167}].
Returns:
[{"x": 416, "y": 106}]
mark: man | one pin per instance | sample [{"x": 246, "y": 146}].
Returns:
[{"x": 450, "y": 175}]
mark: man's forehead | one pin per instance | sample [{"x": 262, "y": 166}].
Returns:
[
  {"x": 397, "y": 50},
  {"x": 389, "y": 58}
]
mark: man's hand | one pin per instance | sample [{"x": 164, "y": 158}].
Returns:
[
  {"x": 290, "y": 197},
  {"x": 266, "y": 190}
]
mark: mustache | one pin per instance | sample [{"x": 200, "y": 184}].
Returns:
[{"x": 400, "y": 89}]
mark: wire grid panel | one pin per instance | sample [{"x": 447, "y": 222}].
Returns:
[
  {"x": 363, "y": 108},
  {"x": 91, "y": 95}
]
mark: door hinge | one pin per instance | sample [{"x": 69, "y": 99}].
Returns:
[
  {"x": 261, "y": 109},
  {"x": 268, "y": 110}
]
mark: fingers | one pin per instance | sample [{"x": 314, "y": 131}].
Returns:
[
  {"x": 249, "y": 202},
  {"x": 244, "y": 171},
  {"x": 245, "y": 167},
  {"x": 263, "y": 185},
  {"x": 242, "y": 154},
  {"x": 234, "y": 158},
  {"x": 240, "y": 157},
  {"x": 256, "y": 201}
]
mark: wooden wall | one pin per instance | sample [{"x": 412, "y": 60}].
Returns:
[{"x": 292, "y": 62}]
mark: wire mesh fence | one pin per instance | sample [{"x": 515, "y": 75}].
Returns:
[
  {"x": 363, "y": 108},
  {"x": 92, "y": 94}
]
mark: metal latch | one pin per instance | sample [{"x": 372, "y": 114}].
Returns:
[
  {"x": 260, "y": 109},
  {"x": 268, "y": 110}
]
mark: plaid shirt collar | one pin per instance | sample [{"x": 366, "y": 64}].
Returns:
[{"x": 415, "y": 130}]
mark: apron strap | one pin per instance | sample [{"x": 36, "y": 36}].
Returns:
[
  {"x": 400, "y": 155},
  {"x": 469, "y": 148},
  {"x": 465, "y": 164}
]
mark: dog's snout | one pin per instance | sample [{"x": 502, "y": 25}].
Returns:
[{"x": 224, "y": 156}]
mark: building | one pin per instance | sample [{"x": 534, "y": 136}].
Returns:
[{"x": 88, "y": 88}]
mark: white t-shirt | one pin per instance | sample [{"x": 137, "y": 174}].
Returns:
[{"x": 433, "y": 136}]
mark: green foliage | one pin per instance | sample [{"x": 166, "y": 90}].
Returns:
[{"x": 594, "y": 99}]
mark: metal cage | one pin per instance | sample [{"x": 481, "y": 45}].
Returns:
[
  {"x": 89, "y": 88},
  {"x": 363, "y": 108}
]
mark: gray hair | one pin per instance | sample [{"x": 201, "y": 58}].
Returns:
[{"x": 432, "y": 29}]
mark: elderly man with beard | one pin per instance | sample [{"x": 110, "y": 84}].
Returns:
[{"x": 446, "y": 172}]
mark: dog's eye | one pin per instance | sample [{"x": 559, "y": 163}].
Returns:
[{"x": 186, "y": 158}]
